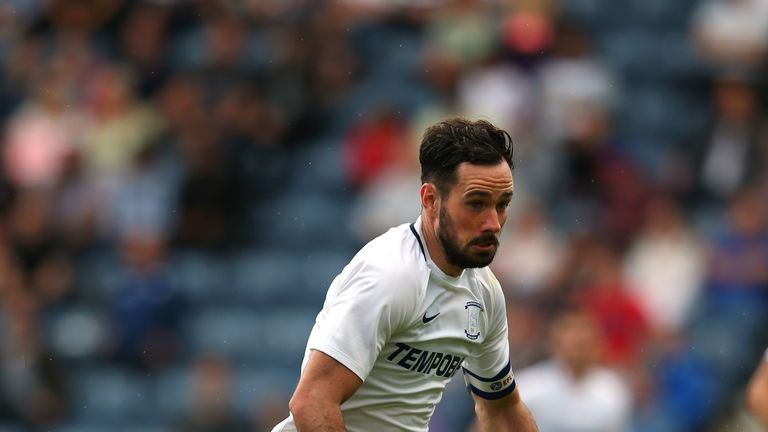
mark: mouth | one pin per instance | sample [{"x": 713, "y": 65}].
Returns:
[
  {"x": 488, "y": 247},
  {"x": 487, "y": 243}
]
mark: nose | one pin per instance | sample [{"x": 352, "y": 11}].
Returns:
[{"x": 491, "y": 222}]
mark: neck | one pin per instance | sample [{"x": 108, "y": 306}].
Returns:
[{"x": 435, "y": 248}]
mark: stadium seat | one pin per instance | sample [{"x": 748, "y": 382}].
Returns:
[
  {"x": 301, "y": 223},
  {"x": 318, "y": 270},
  {"x": 318, "y": 168},
  {"x": 172, "y": 388},
  {"x": 262, "y": 276},
  {"x": 76, "y": 333},
  {"x": 200, "y": 276},
  {"x": 284, "y": 334},
  {"x": 233, "y": 332},
  {"x": 111, "y": 395},
  {"x": 254, "y": 386}
]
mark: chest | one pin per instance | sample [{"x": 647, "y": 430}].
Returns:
[{"x": 452, "y": 319}]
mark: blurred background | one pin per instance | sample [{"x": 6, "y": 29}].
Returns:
[{"x": 181, "y": 180}]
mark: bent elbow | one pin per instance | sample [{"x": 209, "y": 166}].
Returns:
[
  {"x": 757, "y": 402},
  {"x": 298, "y": 405}
]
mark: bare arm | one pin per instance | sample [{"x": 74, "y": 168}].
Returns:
[
  {"x": 507, "y": 414},
  {"x": 757, "y": 392},
  {"x": 324, "y": 385}
]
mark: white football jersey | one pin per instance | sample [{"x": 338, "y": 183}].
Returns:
[{"x": 405, "y": 328}]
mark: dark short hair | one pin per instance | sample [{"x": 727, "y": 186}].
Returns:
[{"x": 448, "y": 143}]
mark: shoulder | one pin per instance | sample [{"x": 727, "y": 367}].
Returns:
[{"x": 393, "y": 260}]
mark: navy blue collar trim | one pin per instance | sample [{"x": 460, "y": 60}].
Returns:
[{"x": 421, "y": 246}]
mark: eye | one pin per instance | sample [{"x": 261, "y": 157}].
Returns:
[
  {"x": 477, "y": 205},
  {"x": 502, "y": 205}
]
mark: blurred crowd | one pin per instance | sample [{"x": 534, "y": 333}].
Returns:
[{"x": 180, "y": 180}]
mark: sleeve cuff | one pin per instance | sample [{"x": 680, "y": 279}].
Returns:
[{"x": 491, "y": 388}]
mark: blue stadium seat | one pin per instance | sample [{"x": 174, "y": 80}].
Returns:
[
  {"x": 318, "y": 168},
  {"x": 112, "y": 395},
  {"x": 83, "y": 427},
  {"x": 254, "y": 386},
  {"x": 302, "y": 223},
  {"x": 172, "y": 388},
  {"x": 97, "y": 275},
  {"x": 233, "y": 332},
  {"x": 284, "y": 334},
  {"x": 76, "y": 333},
  {"x": 632, "y": 54},
  {"x": 102, "y": 427},
  {"x": 262, "y": 276},
  {"x": 318, "y": 270},
  {"x": 658, "y": 14},
  {"x": 200, "y": 276}
]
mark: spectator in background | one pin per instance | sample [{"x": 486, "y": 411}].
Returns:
[
  {"x": 211, "y": 409},
  {"x": 77, "y": 208},
  {"x": 665, "y": 267},
  {"x": 500, "y": 92},
  {"x": 573, "y": 391},
  {"x": 34, "y": 390},
  {"x": 599, "y": 186},
  {"x": 42, "y": 260},
  {"x": 270, "y": 412},
  {"x": 606, "y": 297},
  {"x": 145, "y": 309},
  {"x": 732, "y": 32},
  {"x": 533, "y": 251},
  {"x": 386, "y": 200},
  {"x": 737, "y": 270},
  {"x": 143, "y": 43},
  {"x": 119, "y": 126},
  {"x": 733, "y": 152},
  {"x": 45, "y": 130},
  {"x": 735, "y": 296},
  {"x": 209, "y": 203},
  {"x": 571, "y": 79},
  {"x": 373, "y": 146},
  {"x": 462, "y": 33}
]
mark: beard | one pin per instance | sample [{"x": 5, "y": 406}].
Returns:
[{"x": 462, "y": 256}]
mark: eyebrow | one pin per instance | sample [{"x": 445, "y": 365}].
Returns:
[{"x": 484, "y": 194}]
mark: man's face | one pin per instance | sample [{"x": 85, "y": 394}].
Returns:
[{"x": 472, "y": 214}]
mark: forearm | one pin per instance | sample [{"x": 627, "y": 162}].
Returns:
[
  {"x": 317, "y": 417},
  {"x": 515, "y": 418}
]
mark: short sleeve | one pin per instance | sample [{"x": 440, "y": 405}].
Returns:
[
  {"x": 365, "y": 306},
  {"x": 489, "y": 375}
]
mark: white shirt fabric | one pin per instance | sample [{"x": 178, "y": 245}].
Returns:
[
  {"x": 600, "y": 401},
  {"x": 658, "y": 262},
  {"x": 405, "y": 328}
]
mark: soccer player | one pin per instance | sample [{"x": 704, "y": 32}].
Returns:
[
  {"x": 757, "y": 392},
  {"x": 418, "y": 304}
]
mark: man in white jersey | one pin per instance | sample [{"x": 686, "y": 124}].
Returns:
[{"x": 418, "y": 303}]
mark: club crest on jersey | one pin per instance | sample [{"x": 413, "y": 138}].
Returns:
[{"x": 473, "y": 308}]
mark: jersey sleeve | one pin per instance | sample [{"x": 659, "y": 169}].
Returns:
[
  {"x": 366, "y": 304},
  {"x": 489, "y": 375}
]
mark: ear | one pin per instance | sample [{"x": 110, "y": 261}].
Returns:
[{"x": 430, "y": 199}]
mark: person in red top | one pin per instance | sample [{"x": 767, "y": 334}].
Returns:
[{"x": 605, "y": 296}]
